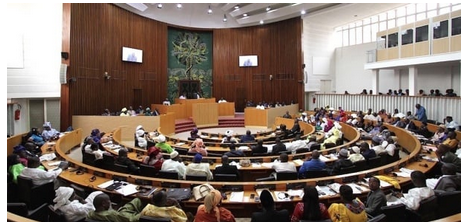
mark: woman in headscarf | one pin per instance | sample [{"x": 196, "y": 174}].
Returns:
[
  {"x": 35, "y": 136},
  {"x": 49, "y": 133},
  {"x": 212, "y": 211},
  {"x": 154, "y": 158},
  {"x": 198, "y": 147}
]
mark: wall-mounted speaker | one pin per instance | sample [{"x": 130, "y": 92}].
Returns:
[
  {"x": 65, "y": 55},
  {"x": 63, "y": 70}
]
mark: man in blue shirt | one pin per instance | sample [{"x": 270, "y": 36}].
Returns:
[
  {"x": 420, "y": 113},
  {"x": 313, "y": 164}
]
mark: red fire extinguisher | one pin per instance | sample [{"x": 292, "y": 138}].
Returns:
[
  {"x": 18, "y": 112},
  {"x": 314, "y": 99}
]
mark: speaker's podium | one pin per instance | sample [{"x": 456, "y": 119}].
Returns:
[{"x": 205, "y": 114}]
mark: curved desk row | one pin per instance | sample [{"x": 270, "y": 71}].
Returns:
[{"x": 69, "y": 141}]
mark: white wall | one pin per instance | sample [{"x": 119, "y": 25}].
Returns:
[
  {"x": 318, "y": 49},
  {"x": 33, "y": 44}
]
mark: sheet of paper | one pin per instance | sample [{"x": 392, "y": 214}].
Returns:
[
  {"x": 325, "y": 191},
  {"x": 357, "y": 189},
  {"x": 296, "y": 193},
  {"x": 105, "y": 184},
  {"x": 255, "y": 165},
  {"x": 56, "y": 163},
  {"x": 236, "y": 196},
  {"x": 298, "y": 162},
  {"x": 335, "y": 187},
  {"x": 47, "y": 157},
  {"x": 127, "y": 189},
  {"x": 268, "y": 165}
]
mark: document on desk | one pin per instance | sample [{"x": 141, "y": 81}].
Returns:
[
  {"x": 106, "y": 184},
  {"x": 236, "y": 196},
  {"x": 180, "y": 144},
  {"x": 127, "y": 189},
  {"x": 335, "y": 187},
  {"x": 357, "y": 189},
  {"x": 324, "y": 191},
  {"x": 296, "y": 193},
  {"x": 47, "y": 157},
  {"x": 267, "y": 165},
  {"x": 298, "y": 162}
]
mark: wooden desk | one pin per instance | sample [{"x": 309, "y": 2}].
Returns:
[
  {"x": 205, "y": 114},
  {"x": 226, "y": 109},
  {"x": 188, "y": 104},
  {"x": 13, "y": 141},
  {"x": 265, "y": 118}
]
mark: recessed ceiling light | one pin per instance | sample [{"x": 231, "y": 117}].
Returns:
[
  {"x": 245, "y": 15},
  {"x": 179, "y": 5},
  {"x": 225, "y": 18},
  {"x": 160, "y": 6},
  {"x": 268, "y": 8},
  {"x": 236, "y": 7},
  {"x": 210, "y": 10},
  {"x": 303, "y": 12},
  {"x": 261, "y": 22}
]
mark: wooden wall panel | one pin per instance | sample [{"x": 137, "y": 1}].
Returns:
[{"x": 99, "y": 31}]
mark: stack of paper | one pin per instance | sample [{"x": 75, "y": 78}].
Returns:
[
  {"x": 335, "y": 187},
  {"x": 127, "y": 189},
  {"x": 296, "y": 193},
  {"x": 236, "y": 196},
  {"x": 325, "y": 191},
  {"x": 47, "y": 157},
  {"x": 357, "y": 189}
]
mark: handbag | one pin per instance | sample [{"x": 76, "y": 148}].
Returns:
[
  {"x": 245, "y": 162},
  {"x": 200, "y": 191},
  {"x": 179, "y": 194}
]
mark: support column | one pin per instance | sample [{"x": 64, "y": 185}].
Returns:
[
  {"x": 413, "y": 80},
  {"x": 375, "y": 81},
  {"x": 397, "y": 79}
]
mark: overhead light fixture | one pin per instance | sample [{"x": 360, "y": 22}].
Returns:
[
  {"x": 245, "y": 15},
  {"x": 236, "y": 7},
  {"x": 303, "y": 12},
  {"x": 179, "y": 5},
  {"x": 261, "y": 22},
  {"x": 225, "y": 18},
  {"x": 210, "y": 10},
  {"x": 159, "y": 6},
  {"x": 268, "y": 8}
]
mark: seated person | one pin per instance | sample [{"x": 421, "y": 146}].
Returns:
[
  {"x": 198, "y": 147},
  {"x": 154, "y": 158},
  {"x": 211, "y": 210},
  {"x": 74, "y": 207},
  {"x": 247, "y": 138},
  {"x": 234, "y": 152},
  {"x": 424, "y": 131},
  {"x": 166, "y": 102},
  {"x": 14, "y": 166},
  {"x": 165, "y": 147},
  {"x": 259, "y": 148},
  {"x": 377, "y": 145},
  {"x": 310, "y": 208},
  {"x": 38, "y": 174},
  {"x": 282, "y": 165},
  {"x": 414, "y": 196},
  {"x": 123, "y": 159},
  {"x": 49, "y": 133},
  {"x": 356, "y": 155},
  {"x": 22, "y": 154},
  {"x": 332, "y": 136},
  {"x": 312, "y": 164},
  {"x": 410, "y": 125},
  {"x": 269, "y": 212},
  {"x": 162, "y": 207},
  {"x": 140, "y": 137},
  {"x": 174, "y": 164},
  {"x": 103, "y": 212},
  {"x": 222, "y": 100},
  {"x": 124, "y": 112},
  {"x": 296, "y": 127},
  {"x": 376, "y": 199},
  {"x": 95, "y": 150},
  {"x": 194, "y": 134},
  {"x": 95, "y": 134},
  {"x": 229, "y": 138},
  {"x": 450, "y": 124},
  {"x": 342, "y": 162},
  {"x": 287, "y": 115},
  {"x": 183, "y": 96},
  {"x": 451, "y": 141},
  {"x": 390, "y": 146},
  {"x": 278, "y": 147},
  {"x": 197, "y": 168},
  {"x": 439, "y": 136},
  {"x": 449, "y": 181},
  {"x": 366, "y": 151},
  {"x": 445, "y": 155},
  {"x": 311, "y": 141},
  {"x": 226, "y": 168},
  {"x": 35, "y": 137},
  {"x": 352, "y": 209},
  {"x": 148, "y": 112}
]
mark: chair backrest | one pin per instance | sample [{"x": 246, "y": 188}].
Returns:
[
  {"x": 361, "y": 165},
  {"x": 225, "y": 177},
  {"x": 316, "y": 174},
  {"x": 449, "y": 203},
  {"x": 348, "y": 169},
  {"x": 182, "y": 151},
  {"x": 120, "y": 168},
  {"x": 374, "y": 162},
  {"x": 301, "y": 150},
  {"x": 34, "y": 196},
  {"x": 396, "y": 212},
  {"x": 168, "y": 174},
  {"x": 108, "y": 161},
  {"x": 316, "y": 146},
  {"x": 286, "y": 175},
  {"x": 379, "y": 218},
  {"x": 153, "y": 219},
  {"x": 55, "y": 215},
  {"x": 88, "y": 158},
  {"x": 196, "y": 178},
  {"x": 427, "y": 208},
  {"x": 18, "y": 209},
  {"x": 148, "y": 171}
]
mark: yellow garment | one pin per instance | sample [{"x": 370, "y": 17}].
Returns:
[
  {"x": 176, "y": 214},
  {"x": 389, "y": 180},
  {"x": 339, "y": 213},
  {"x": 332, "y": 139}
]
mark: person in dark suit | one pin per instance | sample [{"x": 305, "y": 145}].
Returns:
[
  {"x": 269, "y": 213},
  {"x": 259, "y": 148},
  {"x": 247, "y": 138},
  {"x": 226, "y": 168},
  {"x": 376, "y": 198},
  {"x": 449, "y": 181},
  {"x": 342, "y": 161},
  {"x": 234, "y": 152},
  {"x": 410, "y": 125},
  {"x": 278, "y": 147}
]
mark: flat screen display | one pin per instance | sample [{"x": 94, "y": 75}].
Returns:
[
  {"x": 132, "y": 55},
  {"x": 247, "y": 60}
]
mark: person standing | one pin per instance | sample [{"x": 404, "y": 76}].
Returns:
[{"x": 421, "y": 114}]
